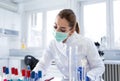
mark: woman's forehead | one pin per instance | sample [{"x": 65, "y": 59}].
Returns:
[{"x": 62, "y": 22}]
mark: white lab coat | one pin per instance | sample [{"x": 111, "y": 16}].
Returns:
[{"x": 95, "y": 66}]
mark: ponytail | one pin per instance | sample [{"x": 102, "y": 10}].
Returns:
[{"x": 77, "y": 29}]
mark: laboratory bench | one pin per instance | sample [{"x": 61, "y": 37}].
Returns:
[
  {"x": 112, "y": 67},
  {"x": 18, "y": 62},
  {"x": 16, "y": 59}
]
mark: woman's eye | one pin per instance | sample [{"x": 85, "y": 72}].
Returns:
[
  {"x": 55, "y": 27},
  {"x": 63, "y": 30}
]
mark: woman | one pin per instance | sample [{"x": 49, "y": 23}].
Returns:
[{"x": 67, "y": 33}]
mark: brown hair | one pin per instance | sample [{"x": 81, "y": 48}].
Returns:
[{"x": 69, "y": 15}]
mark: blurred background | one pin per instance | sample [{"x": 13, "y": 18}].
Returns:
[{"x": 26, "y": 29}]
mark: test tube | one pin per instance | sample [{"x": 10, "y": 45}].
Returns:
[
  {"x": 7, "y": 76},
  {"x": 39, "y": 76},
  {"x": 82, "y": 65},
  {"x": 12, "y": 73},
  {"x": 3, "y": 74},
  {"x": 72, "y": 62},
  {"x": 28, "y": 75},
  {"x": 70, "y": 69},
  {"x": 16, "y": 74},
  {"x": 28, "y": 67},
  {"x": 81, "y": 74},
  {"x": 32, "y": 76},
  {"x": 77, "y": 64},
  {"x": 24, "y": 75}
]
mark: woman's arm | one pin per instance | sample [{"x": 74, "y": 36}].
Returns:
[
  {"x": 45, "y": 60},
  {"x": 95, "y": 62}
]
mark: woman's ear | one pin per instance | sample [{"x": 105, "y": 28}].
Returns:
[{"x": 71, "y": 31}]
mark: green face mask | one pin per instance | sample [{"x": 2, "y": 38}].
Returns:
[{"x": 59, "y": 36}]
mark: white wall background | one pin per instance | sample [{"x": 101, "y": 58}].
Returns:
[
  {"x": 9, "y": 20},
  {"x": 44, "y": 4},
  {"x": 14, "y": 17}
]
